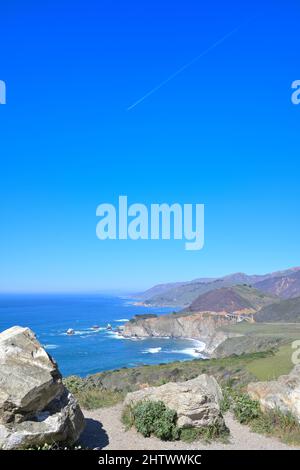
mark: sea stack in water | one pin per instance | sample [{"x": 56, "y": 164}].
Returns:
[{"x": 35, "y": 406}]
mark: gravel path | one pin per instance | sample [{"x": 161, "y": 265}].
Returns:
[{"x": 104, "y": 430}]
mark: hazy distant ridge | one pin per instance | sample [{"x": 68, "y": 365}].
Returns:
[{"x": 285, "y": 284}]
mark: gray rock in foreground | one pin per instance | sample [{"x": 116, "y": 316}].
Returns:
[
  {"x": 282, "y": 394},
  {"x": 35, "y": 406},
  {"x": 196, "y": 401}
]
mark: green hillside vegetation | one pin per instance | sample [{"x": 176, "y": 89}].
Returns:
[
  {"x": 109, "y": 387},
  {"x": 272, "y": 367},
  {"x": 259, "y": 336},
  {"x": 255, "y": 297}
]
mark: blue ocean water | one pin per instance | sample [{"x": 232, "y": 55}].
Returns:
[{"x": 89, "y": 351}]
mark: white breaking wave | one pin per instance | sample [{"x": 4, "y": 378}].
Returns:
[
  {"x": 51, "y": 346},
  {"x": 100, "y": 328},
  {"x": 195, "y": 351},
  {"x": 88, "y": 331},
  {"x": 115, "y": 335},
  {"x": 188, "y": 351},
  {"x": 152, "y": 351},
  {"x": 122, "y": 320}
]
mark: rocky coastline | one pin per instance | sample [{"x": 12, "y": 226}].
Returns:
[{"x": 204, "y": 327}]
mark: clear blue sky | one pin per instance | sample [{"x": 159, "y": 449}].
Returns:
[{"x": 223, "y": 133}]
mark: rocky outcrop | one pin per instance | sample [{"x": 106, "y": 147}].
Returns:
[
  {"x": 282, "y": 394},
  {"x": 197, "y": 401},
  {"x": 35, "y": 406},
  {"x": 201, "y": 326}
]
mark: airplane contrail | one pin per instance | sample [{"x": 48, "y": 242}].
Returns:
[{"x": 185, "y": 66}]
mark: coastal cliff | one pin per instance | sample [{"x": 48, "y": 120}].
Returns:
[
  {"x": 205, "y": 327},
  {"x": 205, "y": 318}
]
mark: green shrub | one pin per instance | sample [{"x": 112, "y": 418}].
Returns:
[
  {"x": 227, "y": 401},
  {"x": 245, "y": 409},
  {"x": 282, "y": 425},
  {"x": 189, "y": 434},
  {"x": 73, "y": 383},
  {"x": 165, "y": 427},
  {"x": 91, "y": 399},
  {"x": 153, "y": 417},
  {"x": 275, "y": 423},
  {"x": 127, "y": 417},
  {"x": 207, "y": 433}
]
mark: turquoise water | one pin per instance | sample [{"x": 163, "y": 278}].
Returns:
[{"x": 89, "y": 351}]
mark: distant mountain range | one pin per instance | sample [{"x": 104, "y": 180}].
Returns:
[
  {"x": 209, "y": 306},
  {"x": 284, "y": 284},
  {"x": 161, "y": 289}
]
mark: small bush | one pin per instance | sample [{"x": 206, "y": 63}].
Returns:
[
  {"x": 91, "y": 397},
  {"x": 226, "y": 403},
  {"x": 153, "y": 417},
  {"x": 94, "y": 398},
  {"x": 189, "y": 434},
  {"x": 127, "y": 417},
  {"x": 275, "y": 423},
  {"x": 207, "y": 433},
  {"x": 245, "y": 409},
  {"x": 74, "y": 383},
  {"x": 165, "y": 427}
]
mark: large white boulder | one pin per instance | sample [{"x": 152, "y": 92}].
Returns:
[
  {"x": 35, "y": 406},
  {"x": 196, "y": 401},
  {"x": 282, "y": 394}
]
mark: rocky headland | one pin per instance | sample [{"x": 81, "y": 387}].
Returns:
[
  {"x": 200, "y": 326},
  {"x": 209, "y": 315}
]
